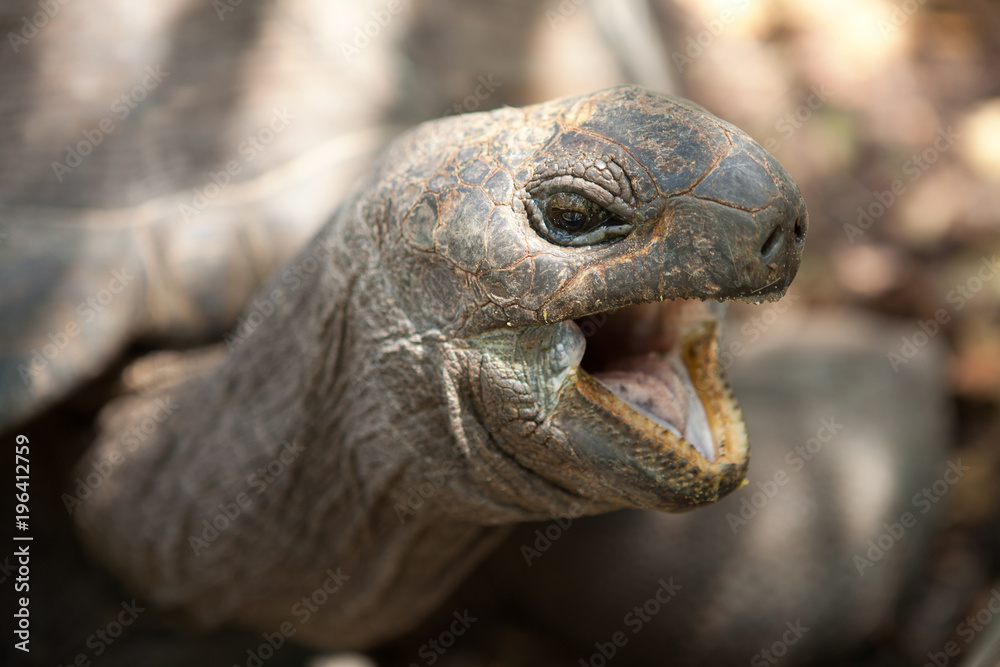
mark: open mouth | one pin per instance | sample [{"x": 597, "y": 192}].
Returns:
[
  {"x": 627, "y": 408},
  {"x": 656, "y": 366}
]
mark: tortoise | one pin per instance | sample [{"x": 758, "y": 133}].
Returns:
[
  {"x": 269, "y": 217},
  {"x": 427, "y": 335}
]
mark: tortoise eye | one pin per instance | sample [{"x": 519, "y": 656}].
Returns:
[
  {"x": 571, "y": 219},
  {"x": 573, "y": 213}
]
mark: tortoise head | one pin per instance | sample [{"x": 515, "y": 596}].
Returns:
[{"x": 570, "y": 256}]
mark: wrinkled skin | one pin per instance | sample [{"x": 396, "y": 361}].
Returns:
[{"x": 426, "y": 335}]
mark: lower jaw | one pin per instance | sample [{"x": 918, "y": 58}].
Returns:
[{"x": 655, "y": 466}]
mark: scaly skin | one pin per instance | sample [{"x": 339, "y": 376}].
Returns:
[{"x": 426, "y": 336}]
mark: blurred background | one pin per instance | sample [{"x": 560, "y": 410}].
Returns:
[{"x": 887, "y": 114}]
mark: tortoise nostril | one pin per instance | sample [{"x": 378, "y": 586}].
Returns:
[
  {"x": 800, "y": 231},
  {"x": 771, "y": 243}
]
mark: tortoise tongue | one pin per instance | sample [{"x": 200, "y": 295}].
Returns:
[{"x": 660, "y": 387}]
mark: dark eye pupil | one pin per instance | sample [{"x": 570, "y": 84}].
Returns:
[
  {"x": 571, "y": 216},
  {"x": 573, "y": 220},
  {"x": 571, "y": 212}
]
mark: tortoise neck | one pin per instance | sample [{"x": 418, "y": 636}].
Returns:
[{"x": 276, "y": 475}]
